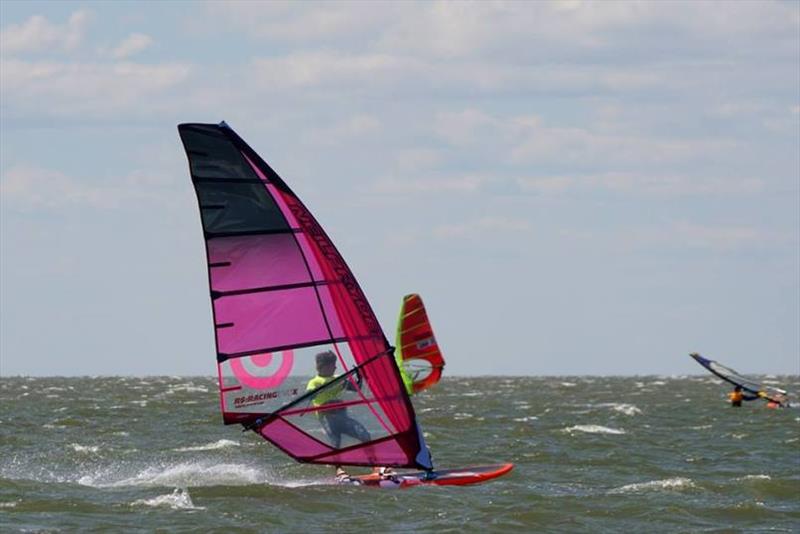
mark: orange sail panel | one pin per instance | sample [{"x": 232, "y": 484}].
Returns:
[{"x": 418, "y": 352}]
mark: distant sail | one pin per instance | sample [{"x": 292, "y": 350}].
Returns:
[
  {"x": 417, "y": 350},
  {"x": 281, "y": 293},
  {"x": 729, "y": 375}
]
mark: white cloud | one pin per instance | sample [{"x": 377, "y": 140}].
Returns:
[
  {"x": 304, "y": 22},
  {"x": 430, "y": 184},
  {"x": 691, "y": 235},
  {"x": 481, "y": 226},
  {"x": 527, "y": 139},
  {"x": 678, "y": 235},
  {"x": 642, "y": 184},
  {"x": 37, "y": 33},
  {"x": 131, "y": 45},
  {"x": 28, "y": 187},
  {"x": 328, "y": 70},
  {"x": 353, "y": 127},
  {"x": 87, "y": 89}
]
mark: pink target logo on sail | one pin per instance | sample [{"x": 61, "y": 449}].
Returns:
[{"x": 259, "y": 364}]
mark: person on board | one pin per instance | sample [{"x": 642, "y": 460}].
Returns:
[
  {"x": 335, "y": 421},
  {"x": 737, "y": 396}
]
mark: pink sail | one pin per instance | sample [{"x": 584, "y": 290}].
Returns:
[{"x": 281, "y": 294}]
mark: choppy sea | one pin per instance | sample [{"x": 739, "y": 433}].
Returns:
[{"x": 600, "y": 454}]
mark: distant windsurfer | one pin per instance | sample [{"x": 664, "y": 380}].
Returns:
[
  {"x": 335, "y": 421},
  {"x": 737, "y": 396}
]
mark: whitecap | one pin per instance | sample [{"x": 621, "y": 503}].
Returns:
[
  {"x": 84, "y": 448},
  {"x": 9, "y": 504},
  {"x": 525, "y": 419},
  {"x": 755, "y": 477},
  {"x": 658, "y": 383},
  {"x": 568, "y": 384},
  {"x": 593, "y": 429},
  {"x": 669, "y": 484},
  {"x": 627, "y": 409},
  {"x": 141, "y": 403},
  {"x": 186, "y": 388},
  {"x": 177, "y": 500},
  {"x": 221, "y": 444}
]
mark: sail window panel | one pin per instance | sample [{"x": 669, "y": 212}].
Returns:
[
  {"x": 238, "y": 207},
  {"x": 265, "y": 320},
  {"x": 258, "y": 390},
  {"x": 363, "y": 427},
  {"x": 262, "y": 383},
  {"x": 256, "y": 261},
  {"x": 212, "y": 155},
  {"x": 387, "y": 452},
  {"x": 293, "y": 441}
]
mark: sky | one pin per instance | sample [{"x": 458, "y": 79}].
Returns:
[{"x": 573, "y": 187}]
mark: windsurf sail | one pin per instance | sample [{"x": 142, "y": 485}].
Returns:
[
  {"x": 417, "y": 351},
  {"x": 729, "y": 375},
  {"x": 281, "y": 294}
]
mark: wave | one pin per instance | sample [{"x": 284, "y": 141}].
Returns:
[
  {"x": 669, "y": 484},
  {"x": 192, "y": 474},
  {"x": 186, "y": 388},
  {"x": 593, "y": 429},
  {"x": 177, "y": 500},
  {"x": 755, "y": 477},
  {"x": 221, "y": 444},
  {"x": 84, "y": 448},
  {"x": 627, "y": 409}
]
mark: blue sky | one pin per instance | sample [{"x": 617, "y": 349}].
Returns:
[{"x": 573, "y": 187}]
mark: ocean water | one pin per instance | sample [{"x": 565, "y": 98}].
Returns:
[{"x": 600, "y": 454}]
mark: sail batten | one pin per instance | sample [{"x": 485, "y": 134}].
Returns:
[{"x": 281, "y": 294}]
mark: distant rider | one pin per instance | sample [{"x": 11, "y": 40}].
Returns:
[{"x": 737, "y": 396}]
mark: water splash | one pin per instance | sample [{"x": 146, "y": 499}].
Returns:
[
  {"x": 221, "y": 444},
  {"x": 179, "y": 499}
]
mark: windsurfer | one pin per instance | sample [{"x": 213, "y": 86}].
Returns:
[
  {"x": 737, "y": 396},
  {"x": 335, "y": 421}
]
